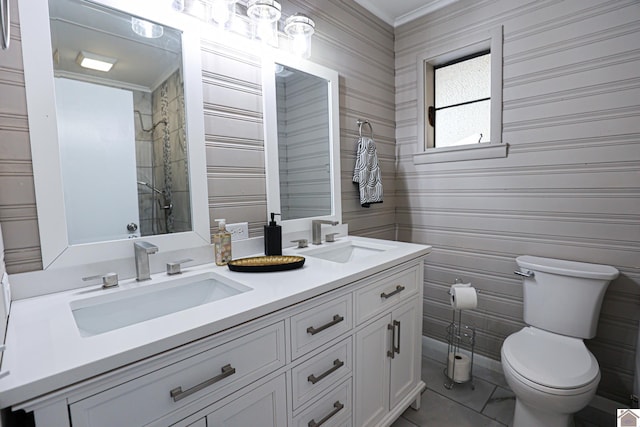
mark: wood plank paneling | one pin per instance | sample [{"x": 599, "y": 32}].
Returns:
[{"x": 570, "y": 186}]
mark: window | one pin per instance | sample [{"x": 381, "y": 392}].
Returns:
[
  {"x": 459, "y": 98},
  {"x": 461, "y": 114}
]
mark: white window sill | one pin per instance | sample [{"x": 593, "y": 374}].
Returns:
[{"x": 459, "y": 153}]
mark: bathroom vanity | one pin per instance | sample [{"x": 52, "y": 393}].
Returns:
[{"x": 336, "y": 342}]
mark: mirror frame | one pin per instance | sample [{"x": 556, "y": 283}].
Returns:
[
  {"x": 270, "y": 112},
  {"x": 39, "y": 84}
]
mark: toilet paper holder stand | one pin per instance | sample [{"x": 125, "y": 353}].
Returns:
[{"x": 459, "y": 334}]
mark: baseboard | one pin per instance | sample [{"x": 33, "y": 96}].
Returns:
[{"x": 436, "y": 349}]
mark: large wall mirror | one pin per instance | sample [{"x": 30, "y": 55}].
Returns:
[
  {"x": 302, "y": 141},
  {"x": 116, "y": 125}
]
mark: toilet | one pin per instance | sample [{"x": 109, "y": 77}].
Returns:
[{"x": 546, "y": 364}]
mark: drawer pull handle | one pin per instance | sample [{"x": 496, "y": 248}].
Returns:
[
  {"x": 337, "y": 364},
  {"x": 338, "y": 407},
  {"x": 177, "y": 393},
  {"x": 336, "y": 319},
  {"x": 399, "y": 289},
  {"x": 394, "y": 348}
]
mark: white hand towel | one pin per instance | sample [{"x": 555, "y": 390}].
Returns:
[{"x": 367, "y": 172}]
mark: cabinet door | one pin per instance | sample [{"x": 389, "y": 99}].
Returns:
[
  {"x": 405, "y": 365},
  {"x": 264, "y": 406},
  {"x": 372, "y": 372}
]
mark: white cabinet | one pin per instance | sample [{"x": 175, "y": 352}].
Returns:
[
  {"x": 211, "y": 374},
  {"x": 387, "y": 362},
  {"x": 347, "y": 357},
  {"x": 264, "y": 406}
]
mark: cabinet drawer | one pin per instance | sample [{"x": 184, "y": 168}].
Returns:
[
  {"x": 331, "y": 410},
  {"x": 321, "y": 372},
  {"x": 320, "y": 324},
  {"x": 382, "y": 293},
  {"x": 213, "y": 374}
]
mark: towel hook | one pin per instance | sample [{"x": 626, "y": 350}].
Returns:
[{"x": 361, "y": 123}]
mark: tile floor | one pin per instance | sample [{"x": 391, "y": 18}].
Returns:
[{"x": 490, "y": 404}]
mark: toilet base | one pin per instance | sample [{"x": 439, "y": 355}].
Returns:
[{"x": 526, "y": 416}]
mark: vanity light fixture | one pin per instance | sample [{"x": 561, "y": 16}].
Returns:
[
  {"x": 177, "y": 5},
  {"x": 264, "y": 16},
  {"x": 94, "y": 61},
  {"x": 300, "y": 28},
  {"x": 146, "y": 29},
  {"x": 223, "y": 11}
]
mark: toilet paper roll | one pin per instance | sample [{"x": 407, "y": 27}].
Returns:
[
  {"x": 461, "y": 372},
  {"x": 463, "y": 297}
]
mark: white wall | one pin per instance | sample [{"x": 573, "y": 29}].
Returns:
[{"x": 570, "y": 186}]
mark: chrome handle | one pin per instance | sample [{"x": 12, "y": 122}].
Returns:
[
  {"x": 177, "y": 393},
  {"x": 338, "y": 407},
  {"x": 391, "y": 353},
  {"x": 397, "y": 323},
  {"x": 175, "y": 266},
  {"x": 302, "y": 243},
  {"x": 109, "y": 280},
  {"x": 527, "y": 273},
  {"x": 336, "y": 319},
  {"x": 330, "y": 237},
  {"x": 399, "y": 288},
  {"x": 337, "y": 364}
]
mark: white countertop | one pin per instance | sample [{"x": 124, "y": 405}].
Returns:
[{"x": 45, "y": 351}]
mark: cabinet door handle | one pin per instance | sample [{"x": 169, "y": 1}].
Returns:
[
  {"x": 337, "y": 364},
  {"x": 394, "y": 337},
  {"x": 399, "y": 288},
  {"x": 397, "y": 348},
  {"x": 177, "y": 393},
  {"x": 391, "y": 353},
  {"x": 338, "y": 407},
  {"x": 336, "y": 319}
]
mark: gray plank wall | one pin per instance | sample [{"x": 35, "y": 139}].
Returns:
[
  {"x": 348, "y": 39},
  {"x": 570, "y": 186}
]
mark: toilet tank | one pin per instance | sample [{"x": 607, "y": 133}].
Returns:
[{"x": 564, "y": 297}]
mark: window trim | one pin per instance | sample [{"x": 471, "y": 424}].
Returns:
[{"x": 426, "y": 62}]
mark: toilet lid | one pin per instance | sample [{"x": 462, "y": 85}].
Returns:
[{"x": 549, "y": 359}]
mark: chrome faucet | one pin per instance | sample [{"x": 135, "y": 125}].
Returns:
[
  {"x": 316, "y": 230},
  {"x": 142, "y": 251}
]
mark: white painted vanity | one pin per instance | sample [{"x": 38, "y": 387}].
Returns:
[
  {"x": 335, "y": 343},
  {"x": 332, "y": 343}
]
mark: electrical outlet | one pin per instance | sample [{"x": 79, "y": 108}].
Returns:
[{"x": 239, "y": 231}]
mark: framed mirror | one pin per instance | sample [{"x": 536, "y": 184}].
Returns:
[
  {"x": 302, "y": 141},
  {"x": 118, "y": 144}
]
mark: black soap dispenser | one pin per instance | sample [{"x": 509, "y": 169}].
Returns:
[{"x": 273, "y": 237}]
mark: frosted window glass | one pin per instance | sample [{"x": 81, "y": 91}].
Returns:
[
  {"x": 464, "y": 81},
  {"x": 463, "y": 124}
]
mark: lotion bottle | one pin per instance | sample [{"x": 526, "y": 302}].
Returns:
[
  {"x": 273, "y": 237},
  {"x": 222, "y": 243}
]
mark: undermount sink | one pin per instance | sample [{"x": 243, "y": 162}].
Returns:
[
  {"x": 347, "y": 251},
  {"x": 116, "y": 310}
]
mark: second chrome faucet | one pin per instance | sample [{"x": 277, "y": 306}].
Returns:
[{"x": 316, "y": 230}]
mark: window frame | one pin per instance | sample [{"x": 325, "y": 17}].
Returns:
[{"x": 427, "y": 61}]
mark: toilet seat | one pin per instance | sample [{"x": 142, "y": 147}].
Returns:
[{"x": 550, "y": 362}]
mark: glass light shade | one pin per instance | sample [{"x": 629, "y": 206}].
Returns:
[
  {"x": 300, "y": 28},
  {"x": 146, "y": 29},
  {"x": 177, "y": 5},
  {"x": 264, "y": 15},
  {"x": 222, "y": 11}
]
